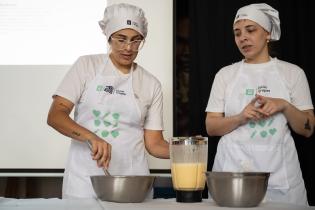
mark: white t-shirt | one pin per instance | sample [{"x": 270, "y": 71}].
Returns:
[
  {"x": 147, "y": 88},
  {"x": 293, "y": 77}
]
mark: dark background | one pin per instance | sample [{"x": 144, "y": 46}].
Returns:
[{"x": 204, "y": 43}]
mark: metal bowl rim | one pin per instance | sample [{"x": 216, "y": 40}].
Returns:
[
  {"x": 235, "y": 174},
  {"x": 125, "y": 176}
]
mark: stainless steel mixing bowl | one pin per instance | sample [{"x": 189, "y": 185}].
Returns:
[
  {"x": 237, "y": 189},
  {"x": 122, "y": 189}
]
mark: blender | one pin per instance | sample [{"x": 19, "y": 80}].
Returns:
[{"x": 189, "y": 156}]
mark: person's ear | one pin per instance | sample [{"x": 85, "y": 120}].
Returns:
[{"x": 268, "y": 38}]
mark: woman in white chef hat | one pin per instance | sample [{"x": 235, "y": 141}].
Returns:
[
  {"x": 252, "y": 104},
  {"x": 118, "y": 107}
]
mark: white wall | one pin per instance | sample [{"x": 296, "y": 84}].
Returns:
[
  {"x": 33, "y": 31},
  {"x": 25, "y": 139}
]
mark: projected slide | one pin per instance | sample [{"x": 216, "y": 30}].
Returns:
[{"x": 49, "y": 32}]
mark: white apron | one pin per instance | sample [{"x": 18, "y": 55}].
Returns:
[
  {"x": 109, "y": 110},
  {"x": 265, "y": 146}
]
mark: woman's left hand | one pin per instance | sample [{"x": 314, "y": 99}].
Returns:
[
  {"x": 301, "y": 121},
  {"x": 268, "y": 106}
]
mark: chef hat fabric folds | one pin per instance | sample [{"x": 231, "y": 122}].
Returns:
[
  {"x": 264, "y": 15},
  {"x": 122, "y": 16}
]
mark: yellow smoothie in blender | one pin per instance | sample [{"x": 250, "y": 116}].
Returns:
[{"x": 188, "y": 176}]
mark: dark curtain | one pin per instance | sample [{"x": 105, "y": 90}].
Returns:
[{"x": 212, "y": 47}]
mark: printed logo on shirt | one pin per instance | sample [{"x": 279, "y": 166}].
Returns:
[
  {"x": 120, "y": 92},
  {"x": 106, "y": 123},
  {"x": 109, "y": 89},
  {"x": 249, "y": 92},
  {"x": 262, "y": 128},
  {"x": 263, "y": 90},
  {"x": 99, "y": 88}
]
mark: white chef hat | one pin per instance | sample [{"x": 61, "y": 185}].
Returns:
[
  {"x": 122, "y": 16},
  {"x": 264, "y": 15}
]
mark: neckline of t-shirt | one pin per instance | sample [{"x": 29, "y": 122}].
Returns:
[
  {"x": 259, "y": 65},
  {"x": 117, "y": 71},
  {"x": 123, "y": 74}
]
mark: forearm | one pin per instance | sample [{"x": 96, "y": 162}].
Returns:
[
  {"x": 220, "y": 125},
  {"x": 68, "y": 127},
  {"x": 155, "y": 144},
  {"x": 161, "y": 150},
  {"x": 302, "y": 122}
]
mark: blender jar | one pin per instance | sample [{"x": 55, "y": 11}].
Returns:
[{"x": 189, "y": 156}]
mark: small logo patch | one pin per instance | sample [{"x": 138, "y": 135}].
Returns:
[
  {"x": 249, "y": 92},
  {"x": 99, "y": 88},
  {"x": 128, "y": 22},
  {"x": 109, "y": 89}
]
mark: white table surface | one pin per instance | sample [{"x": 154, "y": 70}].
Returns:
[
  {"x": 49, "y": 204},
  {"x": 155, "y": 204},
  {"x": 206, "y": 204}
]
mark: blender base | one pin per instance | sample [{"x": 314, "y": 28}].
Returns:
[{"x": 188, "y": 196}]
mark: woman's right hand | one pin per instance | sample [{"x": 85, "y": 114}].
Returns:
[
  {"x": 101, "y": 151},
  {"x": 251, "y": 112}
]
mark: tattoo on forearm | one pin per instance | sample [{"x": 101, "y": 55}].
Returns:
[
  {"x": 76, "y": 133},
  {"x": 307, "y": 125}
]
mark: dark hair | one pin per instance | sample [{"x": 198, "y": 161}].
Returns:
[{"x": 273, "y": 49}]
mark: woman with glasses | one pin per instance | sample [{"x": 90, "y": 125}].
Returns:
[
  {"x": 252, "y": 104},
  {"x": 118, "y": 107}
]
